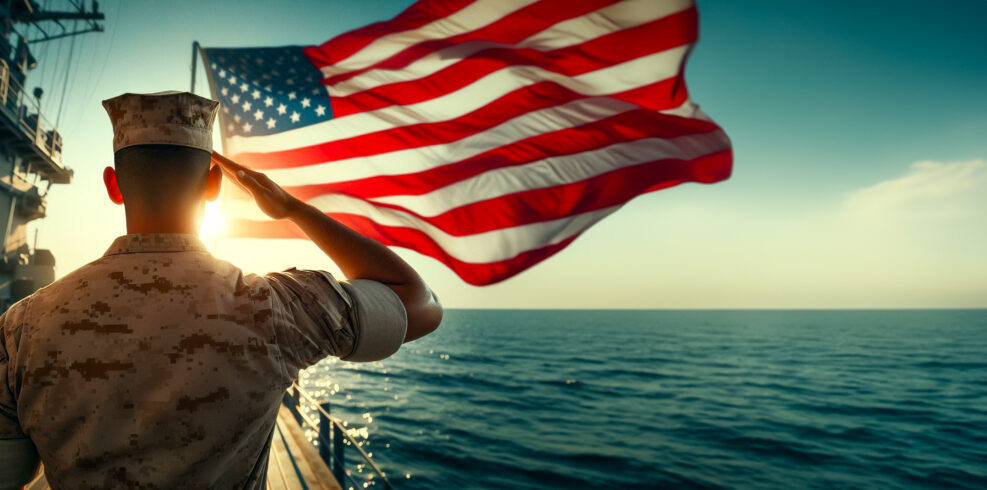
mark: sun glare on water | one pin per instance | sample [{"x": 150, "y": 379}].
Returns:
[{"x": 213, "y": 223}]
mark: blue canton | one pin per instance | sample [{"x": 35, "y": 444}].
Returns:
[{"x": 266, "y": 90}]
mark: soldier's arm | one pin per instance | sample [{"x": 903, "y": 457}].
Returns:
[{"x": 357, "y": 256}]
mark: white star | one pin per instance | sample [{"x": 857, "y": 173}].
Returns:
[
  {"x": 229, "y": 127},
  {"x": 236, "y": 117},
  {"x": 222, "y": 73},
  {"x": 270, "y": 123},
  {"x": 281, "y": 108},
  {"x": 258, "y": 114},
  {"x": 268, "y": 101},
  {"x": 255, "y": 94},
  {"x": 291, "y": 96},
  {"x": 315, "y": 91},
  {"x": 226, "y": 110},
  {"x": 213, "y": 66},
  {"x": 247, "y": 127},
  {"x": 235, "y": 99},
  {"x": 306, "y": 102},
  {"x": 224, "y": 91},
  {"x": 290, "y": 81},
  {"x": 246, "y": 105},
  {"x": 321, "y": 110},
  {"x": 295, "y": 117},
  {"x": 260, "y": 61},
  {"x": 244, "y": 87},
  {"x": 232, "y": 79}
]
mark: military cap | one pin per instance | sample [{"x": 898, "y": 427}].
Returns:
[{"x": 162, "y": 118}]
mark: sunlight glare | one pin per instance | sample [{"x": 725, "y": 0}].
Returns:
[{"x": 213, "y": 223}]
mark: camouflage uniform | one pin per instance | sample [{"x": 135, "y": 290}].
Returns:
[{"x": 161, "y": 366}]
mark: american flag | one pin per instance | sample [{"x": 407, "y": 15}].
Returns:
[{"x": 487, "y": 134}]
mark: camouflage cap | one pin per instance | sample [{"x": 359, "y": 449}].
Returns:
[{"x": 163, "y": 118}]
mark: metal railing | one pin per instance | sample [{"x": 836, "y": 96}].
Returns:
[
  {"x": 330, "y": 443},
  {"x": 20, "y": 106}
]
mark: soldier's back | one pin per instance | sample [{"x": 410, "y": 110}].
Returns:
[{"x": 155, "y": 366}]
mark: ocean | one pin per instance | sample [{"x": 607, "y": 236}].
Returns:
[{"x": 521, "y": 399}]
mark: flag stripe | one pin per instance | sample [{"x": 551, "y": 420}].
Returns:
[
  {"x": 477, "y": 274},
  {"x": 469, "y": 18},
  {"x": 553, "y": 171},
  {"x": 461, "y": 64},
  {"x": 415, "y": 16},
  {"x": 523, "y": 23},
  {"x": 491, "y": 246},
  {"x": 424, "y": 176},
  {"x": 545, "y": 204}
]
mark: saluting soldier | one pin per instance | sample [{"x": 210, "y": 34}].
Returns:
[{"x": 161, "y": 366}]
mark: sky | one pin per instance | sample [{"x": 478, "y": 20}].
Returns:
[{"x": 859, "y": 132}]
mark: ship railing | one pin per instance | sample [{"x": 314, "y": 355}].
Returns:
[
  {"x": 27, "y": 112},
  {"x": 331, "y": 436}
]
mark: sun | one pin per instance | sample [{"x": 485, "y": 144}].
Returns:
[{"x": 213, "y": 222}]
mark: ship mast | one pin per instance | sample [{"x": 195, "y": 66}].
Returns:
[{"x": 30, "y": 145}]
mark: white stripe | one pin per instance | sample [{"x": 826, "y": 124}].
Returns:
[
  {"x": 411, "y": 160},
  {"x": 617, "y": 78},
  {"x": 557, "y": 170},
  {"x": 574, "y": 31},
  {"x": 470, "y": 18},
  {"x": 480, "y": 248},
  {"x": 621, "y": 15}
]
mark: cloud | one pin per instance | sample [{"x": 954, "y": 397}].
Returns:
[{"x": 929, "y": 189}]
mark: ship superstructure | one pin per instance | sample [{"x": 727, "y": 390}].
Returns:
[{"x": 30, "y": 145}]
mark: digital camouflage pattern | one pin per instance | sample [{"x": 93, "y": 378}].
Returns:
[
  {"x": 161, "y": 366},
  {"x": 164, "y": 118}
]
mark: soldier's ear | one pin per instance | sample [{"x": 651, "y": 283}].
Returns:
[
  {"x": 214, "y": 182},
  {"x": 112, "y": 189}
]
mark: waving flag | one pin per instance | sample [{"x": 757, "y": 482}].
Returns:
[{"x": 487, "y": 134}]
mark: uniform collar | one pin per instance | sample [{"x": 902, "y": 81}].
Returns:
[{"x": 156, "y": 242}]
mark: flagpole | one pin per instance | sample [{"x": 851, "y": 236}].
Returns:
[{"x": 195, "y": 58}]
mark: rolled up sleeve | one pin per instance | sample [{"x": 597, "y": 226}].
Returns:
[{"x": 359, "y": 320}]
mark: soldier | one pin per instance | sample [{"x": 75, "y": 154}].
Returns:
[{"x": 161, "y": 366}]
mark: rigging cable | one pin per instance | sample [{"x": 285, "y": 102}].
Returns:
[
  {"x": 68, "y": 70},
  {"x": 106, "y": 58}
]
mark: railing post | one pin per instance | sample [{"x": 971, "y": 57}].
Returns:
[
  {"x": 325, "y": 450},
  {"x": 337, "y": 456},
  {"x": 296, "y": 407}
]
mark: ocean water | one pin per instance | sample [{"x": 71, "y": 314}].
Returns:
[{"x": 684, "y": 399}]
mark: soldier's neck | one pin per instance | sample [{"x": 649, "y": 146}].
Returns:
[{"x": 142, "y": 223}]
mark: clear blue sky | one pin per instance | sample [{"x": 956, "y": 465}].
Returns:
[{"x": 860, "y": 132}]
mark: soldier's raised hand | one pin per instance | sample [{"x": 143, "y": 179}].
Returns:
[{"x": 270, "y": 197}]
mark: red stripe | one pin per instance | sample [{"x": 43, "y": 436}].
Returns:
[
  {"x": 627, "y": 126},
  {"x": 666, "y": 94},
  {"x": 601, "y": 191},
  {"x": 415, "y": 16},
  {"x": 510, "y": 29},
  {"x": 472, "y": 273},
  {"x": 618, "y": 47},
  {"x": 716, "y": 167}
]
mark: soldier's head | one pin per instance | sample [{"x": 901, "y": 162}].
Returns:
[
  {"x": 162, "y": 150},
  {"x": 161, "y": 177}
]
